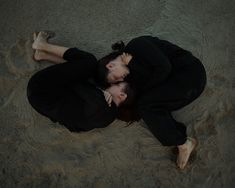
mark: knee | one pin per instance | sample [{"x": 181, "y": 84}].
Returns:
[
  {"x": 29, "y": 89},
  {"x": 32, "y": 87}
]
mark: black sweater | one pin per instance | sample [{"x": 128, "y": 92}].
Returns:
[
  {"x": 152, "y": 61},
  {"x": 167, "y": 78},
  {"x": 84, "y": 107}
]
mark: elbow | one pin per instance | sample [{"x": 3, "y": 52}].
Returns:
[
  {"x": 89, "y": 56},
  {"x": 92, "y": 57}
]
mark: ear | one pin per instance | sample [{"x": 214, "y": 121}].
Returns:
[
  {"x": 109, "y": 65},
  {"x": 122, "y": 96}
]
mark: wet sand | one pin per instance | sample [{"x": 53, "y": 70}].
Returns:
[{"x": 35, "y": 152}]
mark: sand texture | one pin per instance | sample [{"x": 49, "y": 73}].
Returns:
[{"x": 35, "y": 152}]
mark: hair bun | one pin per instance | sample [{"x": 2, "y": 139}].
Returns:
[{"x": 118, "y": 46}]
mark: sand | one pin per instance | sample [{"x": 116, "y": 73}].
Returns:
[{"x": 35, "y": 152}]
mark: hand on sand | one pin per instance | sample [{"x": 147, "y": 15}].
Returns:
[
  {"x": 40, "y": 38},
  {"x": 184, "y": 152}
]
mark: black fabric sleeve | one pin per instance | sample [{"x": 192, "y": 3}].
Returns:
[
  {"x": 171, "y": 50},
  {"x": 75, "y": 55},
  {"x": 148, "y": 52}
]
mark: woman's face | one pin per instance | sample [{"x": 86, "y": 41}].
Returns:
[
  {"x": 117, "y": 92},
  {"x": 117, "y": 70}
]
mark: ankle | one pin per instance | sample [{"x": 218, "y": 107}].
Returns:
[{"x": 183, "y": 146}]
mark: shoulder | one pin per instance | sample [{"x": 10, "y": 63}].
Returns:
[
  {"x": 141, "y": 39},
  {"x": 140, "y": 42}
]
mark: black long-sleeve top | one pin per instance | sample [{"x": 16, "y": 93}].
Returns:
[
  {"x": 152, "y": 61},
  {"x": 155, "y": 63},
  {"x": 84, "y": 107}
]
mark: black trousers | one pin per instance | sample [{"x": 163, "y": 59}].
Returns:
[
  {"x": 62, "y": 93},
  {"x": 183, "y": 86},
  {"x": 48, "y": 87}
]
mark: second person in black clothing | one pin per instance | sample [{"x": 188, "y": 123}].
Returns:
[
  {"x": 63, "y": 94},
  {"x": 166, "y": 77}
]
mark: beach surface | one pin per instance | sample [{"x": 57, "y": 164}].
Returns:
[{"x": 35, "y": 152}]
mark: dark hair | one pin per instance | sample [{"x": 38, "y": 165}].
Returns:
[
  {"x": 127, "y": 110},
  {"x": 130, "y": 95},
  {"x": 128, "y": 114},
  {"x": 102, "y": 71},
  {"x": 118, "y": 46}
]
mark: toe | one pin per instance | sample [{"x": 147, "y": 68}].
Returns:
[
  {"x": 183, "y": 164},
  {"x": 41, "y": 34},
  {"x": 34, "y": 36}
]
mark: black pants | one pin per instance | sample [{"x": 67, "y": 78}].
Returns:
[
  {"x": 44, "y": 92},
  {"x": 183, "y": 86},
  {"x": 48, "y": 87}
]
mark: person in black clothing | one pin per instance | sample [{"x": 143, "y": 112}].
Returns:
[
  {"x": 62, "y": 92},
  {"x": 166, "y": 77}
]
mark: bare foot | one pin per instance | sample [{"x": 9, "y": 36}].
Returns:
[
  {"x": 41, "y": 38},
  {"x": 184, "y": 152},
  {"x": 38, "y": 54}
]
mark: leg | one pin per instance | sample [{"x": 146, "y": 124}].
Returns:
[
  {"x": 42, "y": 97},
  {"x": 42, "y": 55},
  {"x": 163, "y": 126},
  {"x": 184, "y": 152},
  {"x": 179, "y": 90},
  {"x": 40, "y": 43},
  {"x": 48, "y": 87},
  {"x": 169, "y": 132}
]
